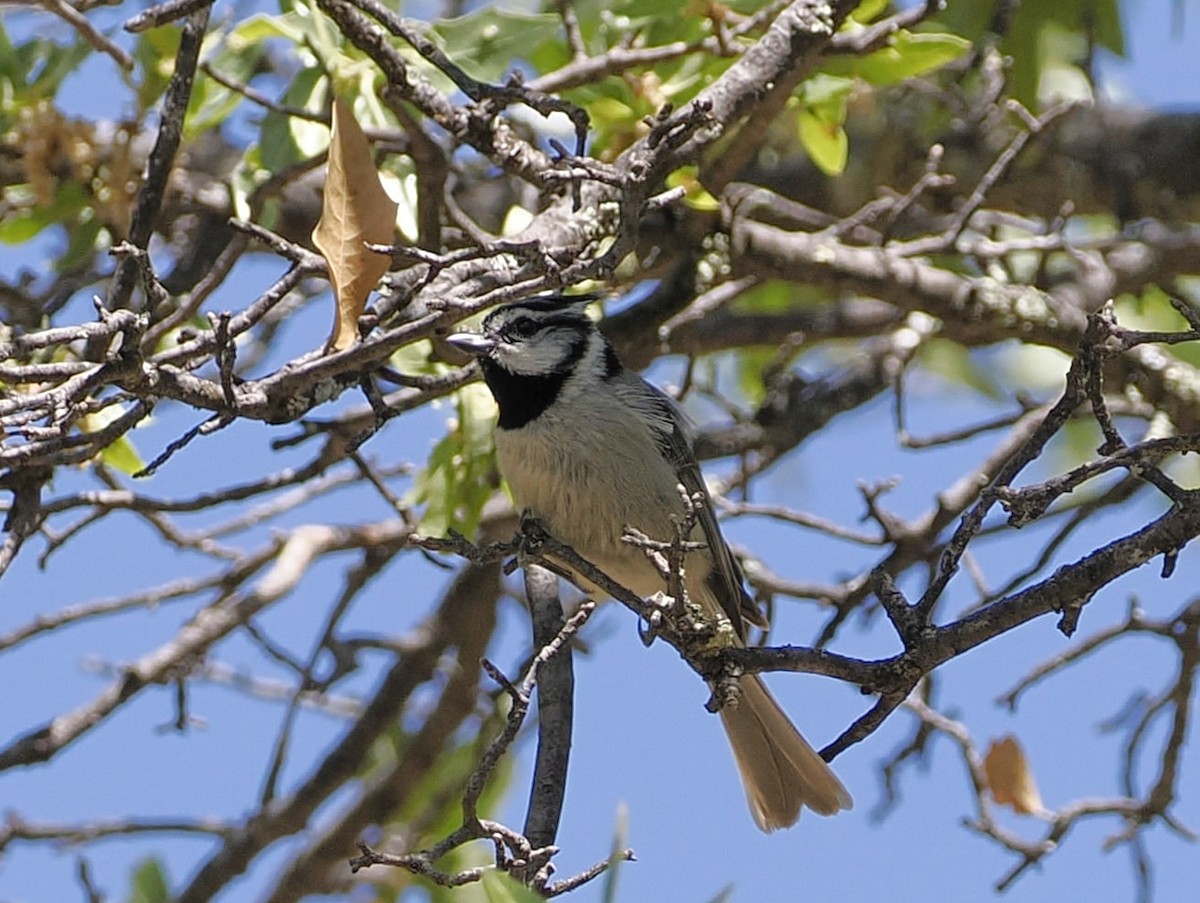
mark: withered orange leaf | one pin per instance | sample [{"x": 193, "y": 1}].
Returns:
[
  {"x": 1009, "y": 778},
  {"x": 354, "y": 209}
]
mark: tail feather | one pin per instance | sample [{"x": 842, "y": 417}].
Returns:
[{"x": 779, "y": 770}]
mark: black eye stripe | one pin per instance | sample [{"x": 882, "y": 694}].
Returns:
[
  {"x": 522, "y": 328},
  {"x": 524, "y": 319}
]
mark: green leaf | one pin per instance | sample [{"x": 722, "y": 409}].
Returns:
[
  {"x": 487, "y": 43},
  {"x": 610, "y": 112},
  {"x": 823, "y": 99},
  {"x": 281, "y": 136},
  {"x": 776, "y": 296},
  {"x": 690, "y": 76},
  {"x": 399, "y": 179},
  {"x": 1045, "y": 39},
  {"x": 907, "y": 55},
  {"x": 825, "y": 142},
  {"x": 1075, "y": 443},
  {"x": 697, "y": 197},
  {"x": 1022, "y": 45},
  {"x": 319, "y": 31},
  {"x": 311, "y": 138},
  {"x": 413, "y": 359},
  {"x": 246, "y": 177},
  {"x": 615, "y": 861},
  {"x": 259, "y": 27},
  {"x": 501, "y": 888},
  {"x": 154, "y": 53},
  {"x": 119, "y": 454},
  {"x": 659, "y": 21},
  {"x": 751, "y": 362},
  {"x": 11, "y": 70},
  {"x": 435, "y": 802},
  {"x": 57, "y": 61},
  {"x": 70, "y": 199},
  {"x": 211, "y": 102},
  {"x": 1105, "y": 25},
  {"x": 869, "y": 10},
  {"x": 516, "y": 220},
  {"x": 122, "y": 456},
  {"x": 82, "y": 242},
  {"x": 972, "y": 20},
  {"x": 826, "y": 95},
  {"x": 953, "y": 363},
  {"x": 149, "y": 883},
  {"x": 456, "y": 481},
  {"x": 1038, "y": 368},
  {"x": 1152, "y": 311}
]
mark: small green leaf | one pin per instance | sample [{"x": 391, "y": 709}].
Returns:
[
  {"x": 607, "y": 112},
  {"x": 211, "y": 102},
  {"x": 826, "y": 95},
  {"x": 249, "y": 174},
  {"x": 516, "y": 220},
  {"x": 776, "y": 296},
  {"x": 122, "y": 456},
  {"x": 83, "y": 240},
  {"x": 953, "y": 363},
  {"x": 399, "y": 179},
  {"x": 1037, "y": 368},
  {"x": 1105, "y": 25},
  {"x": 287, "y": 139},
  {"x": 476, "y": 411},
  {"x": 615, "y": 860},
  {"x": 1152, "y": 311},
  {"x": 413, "y": 359},
  {"x": 56, "y": 63},
  {"x": 11, "y": 70},
  {"x": 825, "y": 142},
  {"x": 155, "y": 55},
  {"x": 259, "y": 27},
  {"x": 751, "y": 362},
  {"x": 319, "y": 31},
  {"x": 501, "y": 888},
  {"x": 119, "y": 454},
  {"x": 1075, "y": 443},
  {"x": 660, "y": 21},
  {"x": 70, "y": 199},
  {"x": 489, "y": 41},
  {"x": 908, "y": 55},
  {"x": 822, "y": 99},
  {"x": 456, "y": 481},
  {"x": 870, "y": 10},
  {"x": 697, "y": 197},
  {"x": 149, "y": 883}
]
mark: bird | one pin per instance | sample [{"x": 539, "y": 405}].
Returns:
[{"x": 589, "y": 448}]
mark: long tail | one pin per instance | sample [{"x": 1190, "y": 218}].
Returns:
[{"x": 780, "y": 771}]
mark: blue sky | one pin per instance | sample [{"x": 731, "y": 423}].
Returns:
[{"x": 644, "y": 744}]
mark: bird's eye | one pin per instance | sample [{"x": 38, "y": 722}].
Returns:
[{"x": 524, "y": 328}]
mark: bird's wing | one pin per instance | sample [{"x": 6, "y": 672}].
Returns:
[{"x": 670, "y": 426}]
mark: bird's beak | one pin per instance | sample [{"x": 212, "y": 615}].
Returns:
[{"x": 471, "y": 342}]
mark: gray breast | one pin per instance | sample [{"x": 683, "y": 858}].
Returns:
[{"x": 587, "y": 480}]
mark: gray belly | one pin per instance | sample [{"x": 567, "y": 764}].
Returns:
[{"x": 586, "y": 496}]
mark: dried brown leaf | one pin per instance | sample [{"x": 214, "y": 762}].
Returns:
[
  {"x": 354, "y": 209},
  {"x": 1009, "y": 778}
]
